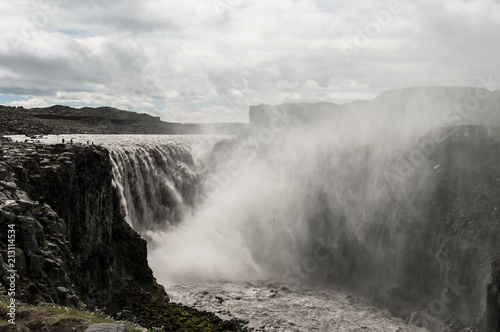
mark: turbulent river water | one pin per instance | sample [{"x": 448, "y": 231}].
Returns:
[{"x": 278, "y": 306}]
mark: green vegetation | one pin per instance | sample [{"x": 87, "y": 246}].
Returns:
[
  {"x": 165, "y": 316},
  {"x": 170, "y": 316},
  {"x": 43, "y": 318}
]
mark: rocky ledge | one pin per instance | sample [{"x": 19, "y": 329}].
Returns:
[
  {"x": 72, "y": 245},
  {"x": 493, "y": 299}
]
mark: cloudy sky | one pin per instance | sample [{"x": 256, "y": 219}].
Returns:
[{"x": 208, "y": 60}]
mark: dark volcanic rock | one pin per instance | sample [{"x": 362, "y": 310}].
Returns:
[
  {"x": 85, "y": 248},
  {"x": 493, "y": 299},
  {"x": 17, "y": 121}
]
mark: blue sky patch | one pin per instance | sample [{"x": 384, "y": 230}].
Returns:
[{"x": 5, "y": 99}]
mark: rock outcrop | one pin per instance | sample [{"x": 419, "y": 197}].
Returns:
[
  {"x": 85, "y": 248},
  {"x": 493, "y": 299},
  {"x": 443, "y": 231}
]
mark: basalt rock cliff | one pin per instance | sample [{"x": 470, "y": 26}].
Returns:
[
  {"x": 493, "y": 299},
  {"x": 100, "y": 251}
]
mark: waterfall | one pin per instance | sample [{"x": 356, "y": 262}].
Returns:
[
  {"x": 158, "y": 177},
  {"x": 157, "y": 183},
  {"x": 339, "y": 209}
]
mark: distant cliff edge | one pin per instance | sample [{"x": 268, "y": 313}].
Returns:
[{"x": 59, "y": 119}]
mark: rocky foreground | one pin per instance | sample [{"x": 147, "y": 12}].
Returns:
[{"x": 72, "y": 245}]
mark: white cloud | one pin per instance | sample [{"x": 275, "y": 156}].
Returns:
[
  {"x": 209, "y": 60},
  {"x": 30, "y": 103}
]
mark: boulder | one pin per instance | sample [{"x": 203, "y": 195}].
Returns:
[
  {"x": 106, "y": 328},
  {"x": 35, "y": 264},
  {"x": 11, "y": 185}
]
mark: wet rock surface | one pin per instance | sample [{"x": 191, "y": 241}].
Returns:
[{"x": 493, "y": 299}]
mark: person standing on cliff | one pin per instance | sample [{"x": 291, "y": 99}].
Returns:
[{"x": 63, "y": 140}]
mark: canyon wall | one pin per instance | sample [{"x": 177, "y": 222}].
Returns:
[
  {"x": 406, "y": 192},
  {"x": 75, "y": 247}
]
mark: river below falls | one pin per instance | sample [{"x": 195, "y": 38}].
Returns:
[{"x": 272, "y": 306}]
